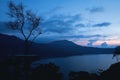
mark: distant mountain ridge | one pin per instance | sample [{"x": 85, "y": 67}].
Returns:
[{"x": 11, "y": 45}]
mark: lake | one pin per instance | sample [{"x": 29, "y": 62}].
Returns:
[{"x": 90, "y": 63}]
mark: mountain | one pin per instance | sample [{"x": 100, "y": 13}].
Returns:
[
  {"x": 63, "y": 43},
  {"x": 11, "y": 45}
]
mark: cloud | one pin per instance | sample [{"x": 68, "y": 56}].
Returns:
[
  {"x": 68, "y": 18},
  {"x": 95, "y": 9},
  {"x": 57, "y": 26},
  {"x": 60, "y": 23},
  {"x": 80, "y": 25},
  {"x": 50, "y": 37},
  {"x": 91, "y": 42},
  {"x": 54, "y": 10},
  {"x": 104, "y": 24},
  {"x": 85, "y": 36},
  {"x": 104, "y": 45},
  {"x": 4, "y": 28}
]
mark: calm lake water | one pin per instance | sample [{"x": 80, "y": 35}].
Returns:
[{"x": 90, "y": 63}]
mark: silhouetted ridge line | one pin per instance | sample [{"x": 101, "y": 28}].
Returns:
[{"x": 12, "y": 45}]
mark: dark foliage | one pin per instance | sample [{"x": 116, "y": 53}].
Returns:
[
  {"x": 7, "y": 69},
  {"x": 116, "y": 52},
  {"x": 46, "y": 72},
  {"x": 82, "y": 75},
  {"x": 113, "y": 73}
]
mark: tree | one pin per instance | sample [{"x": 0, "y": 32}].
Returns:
[
  {"x": 27, "y": 24},
  {"x": 19, "y": 21},
  {"x": 116, "y": 53},
  {"x": 81, "y": 75}
]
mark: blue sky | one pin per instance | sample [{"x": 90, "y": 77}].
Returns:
[{"x": 85, "y": 22}]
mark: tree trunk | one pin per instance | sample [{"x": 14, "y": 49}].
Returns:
[
  {"x": 26, "y": 47},
  {"x": 18, "y": 69},
  {"x": 26, "y": 61},
  {"x": 27, "y": 68}
]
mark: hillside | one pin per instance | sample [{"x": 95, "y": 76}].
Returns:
[{"x": 11, "y": 45}]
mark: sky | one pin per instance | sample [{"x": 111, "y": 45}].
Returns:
[{"x": 93, "y": 23}]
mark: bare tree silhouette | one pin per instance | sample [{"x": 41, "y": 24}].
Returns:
[{"x": 25, "y": 22}]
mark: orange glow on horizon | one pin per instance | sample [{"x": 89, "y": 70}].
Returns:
[
  {"x": 112, "y": 42},
  {"x": 98, "y": 43},
  {"x": 82, "y": 43}
]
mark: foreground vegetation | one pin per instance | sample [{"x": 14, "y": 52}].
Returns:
[{"x": 13, "y": 69}]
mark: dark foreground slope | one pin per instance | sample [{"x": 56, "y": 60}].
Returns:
[{"x": 112, "y": 73}]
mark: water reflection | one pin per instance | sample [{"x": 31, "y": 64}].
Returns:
[{"x": 90, "y": 63}]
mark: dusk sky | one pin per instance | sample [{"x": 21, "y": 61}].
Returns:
[{"x": 85, "y": 22}]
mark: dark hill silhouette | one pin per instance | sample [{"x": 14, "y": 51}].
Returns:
[
  {"x": 10, "y": 45},
  {"x": 64, "y": 43}
]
